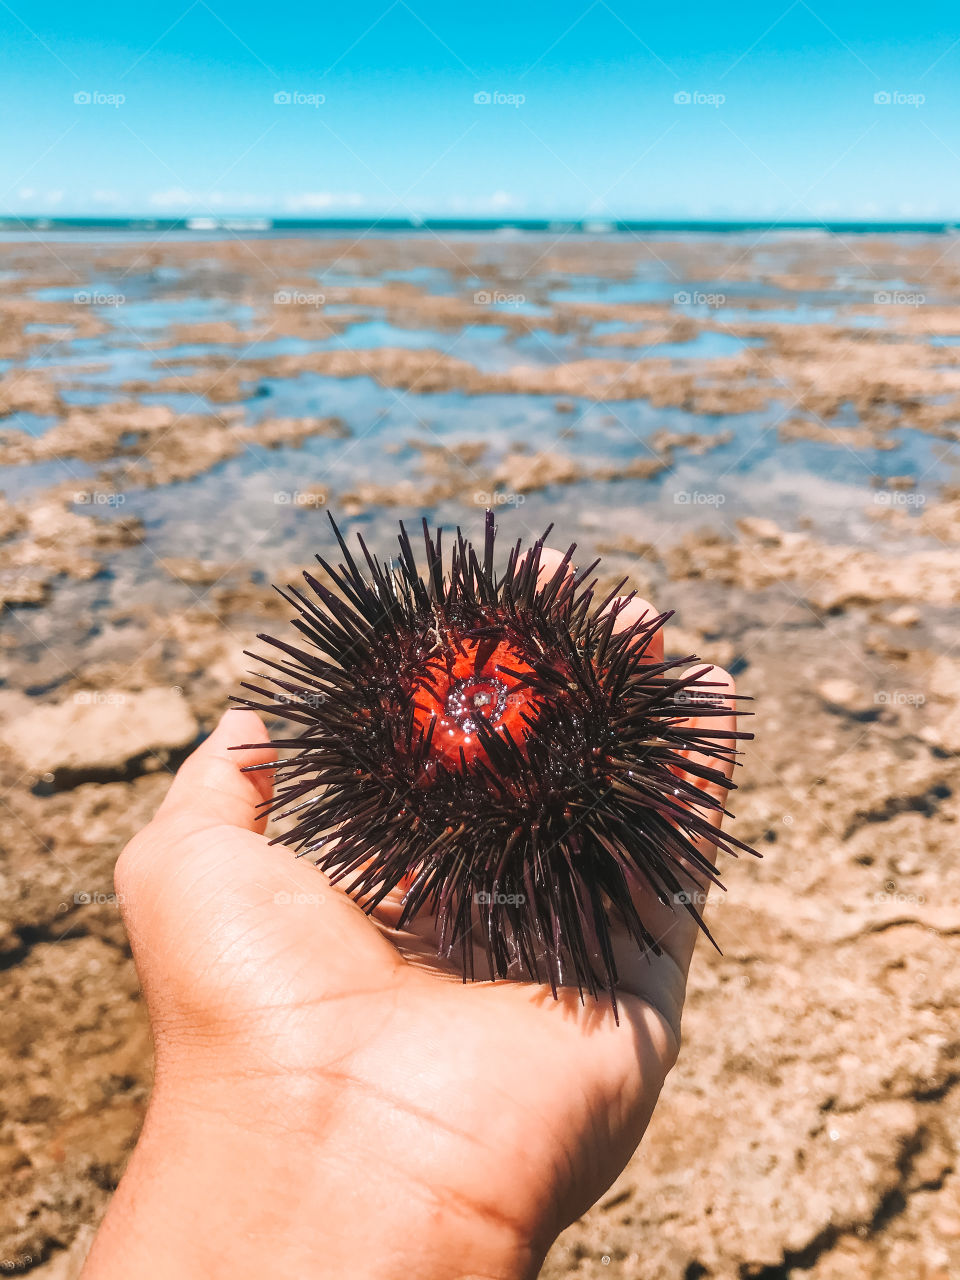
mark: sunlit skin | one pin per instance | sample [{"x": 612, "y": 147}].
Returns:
[{"x": 331, "y": 1099}]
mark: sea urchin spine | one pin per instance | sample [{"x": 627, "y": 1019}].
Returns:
[{"x": 497, "y": 748}]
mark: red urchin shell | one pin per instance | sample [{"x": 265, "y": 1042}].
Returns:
[
  {"x": 491, "y": 744},
  {"x": 473, "y": 679}
]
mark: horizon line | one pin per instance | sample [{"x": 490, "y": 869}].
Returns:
[{"x": 587, "y": 225}]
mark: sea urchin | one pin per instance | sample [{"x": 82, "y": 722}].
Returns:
[{"x": 501, "y": 748}]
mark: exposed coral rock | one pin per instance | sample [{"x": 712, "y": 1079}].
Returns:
[{"x": 100, "y": 733}]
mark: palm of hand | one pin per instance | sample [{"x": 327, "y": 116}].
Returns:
[{"x": 489, "y": 1100}]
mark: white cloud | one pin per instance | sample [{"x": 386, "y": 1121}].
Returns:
[
  {"x": 202, "y": 201},
  {"x": 179, "y": 199},
  {"x": 498, "y": 202},
  {"x": 40, "y": 199},
  {"x": 315, "y": 201},
  {"x": 30, "y": 200},
  {"x": 231, "y": 201},
  {"x": 172, "y": 198},
  {"x": 504, "y": 200}
]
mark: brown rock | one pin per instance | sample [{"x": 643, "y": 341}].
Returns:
[
  {"x": 758, "y": 529},
  {"x": 20, "y": 586},
  {"x": 100, "y": 734},
  {"x": 841, "y": 694},
  {"x": 905, "y": 616},
  {"x": 521, "y": 473}
]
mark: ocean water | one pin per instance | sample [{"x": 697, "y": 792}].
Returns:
[{"x": 244, "y": 511}]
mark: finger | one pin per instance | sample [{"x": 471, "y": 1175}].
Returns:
[
  {"x": 203, "y": 863},
  {"x": 629, "y": 612},
  {"x": 630, "y": 609},
  {"x": 715, "y": 684},
  {"x": 674, "y": 928},
  {"x": 550, "y": 561},
  {"x": 211, "y": 789},
  {"x": 680, "y": 935}
]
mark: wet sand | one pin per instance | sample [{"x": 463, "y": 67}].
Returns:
[{"x": 761, "y": 434}]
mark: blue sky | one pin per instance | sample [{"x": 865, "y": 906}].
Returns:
[{"x": 178, "y": 112}]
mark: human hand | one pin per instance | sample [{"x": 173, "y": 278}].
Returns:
[{"x": 330, "y": 1098}]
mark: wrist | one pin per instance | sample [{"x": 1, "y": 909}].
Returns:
[{"x": 245, "y": 1178}]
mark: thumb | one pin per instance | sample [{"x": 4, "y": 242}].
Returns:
[{"x": 212, "y": 790}]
